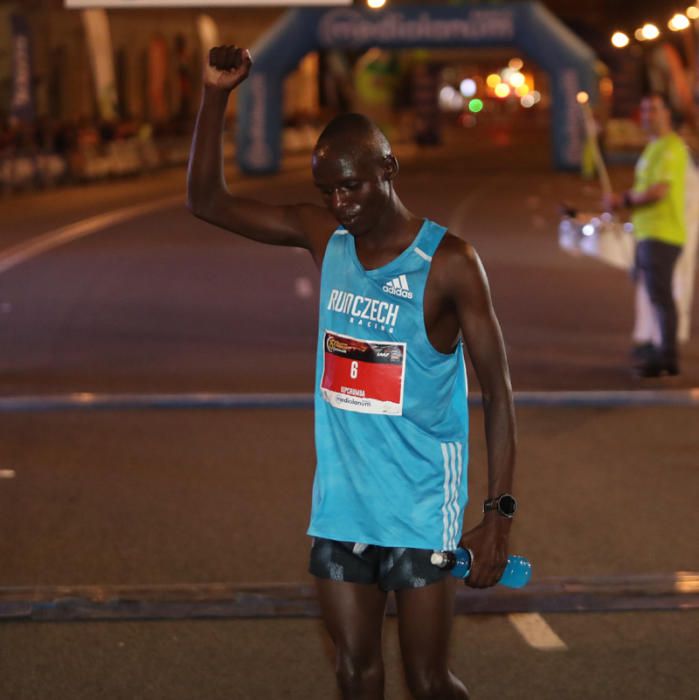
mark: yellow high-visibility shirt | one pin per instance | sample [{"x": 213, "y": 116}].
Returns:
[{"x": 663, "y": 160}]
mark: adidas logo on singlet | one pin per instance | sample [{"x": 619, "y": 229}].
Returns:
[{"x": 398, "y": 286}]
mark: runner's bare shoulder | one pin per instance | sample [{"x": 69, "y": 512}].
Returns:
[{"x": 458, "y": 272}]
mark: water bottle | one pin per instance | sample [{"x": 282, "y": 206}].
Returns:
[{"x": 517, "y": 572}]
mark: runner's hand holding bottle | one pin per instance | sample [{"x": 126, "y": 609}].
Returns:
[{"x": 516, "y": 575}]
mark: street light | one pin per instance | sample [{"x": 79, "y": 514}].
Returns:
[
  {"x": 620, "y": 40},
  {"x": 693, "y": 12},
  {"x": 678, "y": 22},
  {"x": 650, "y": 31}
]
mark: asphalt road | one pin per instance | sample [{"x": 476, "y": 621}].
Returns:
[
  {"x": 164, "y": 303},
  {"x": 608, "y": 657}
]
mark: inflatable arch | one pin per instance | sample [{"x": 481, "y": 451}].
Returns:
[{"x": 526, "y": 26}]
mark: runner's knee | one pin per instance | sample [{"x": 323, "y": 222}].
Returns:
[{"x": 358, "y": 673}]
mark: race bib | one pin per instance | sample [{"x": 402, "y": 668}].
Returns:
[{"x": 363, "y": 375}]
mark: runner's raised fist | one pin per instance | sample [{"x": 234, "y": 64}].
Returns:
[{"x": 227, "y": 67}]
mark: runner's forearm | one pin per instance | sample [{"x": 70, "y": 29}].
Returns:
[
  {"x": 501, "y": 439},
  {"x": 205, "y": 176}
]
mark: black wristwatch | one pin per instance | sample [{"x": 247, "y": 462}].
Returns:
[{"x": 505, "y": 504}]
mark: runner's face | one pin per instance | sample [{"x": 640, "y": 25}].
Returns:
[{"x": 353, "y": 186}]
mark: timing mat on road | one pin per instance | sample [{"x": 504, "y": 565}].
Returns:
[{"x": 675, "y": 591}]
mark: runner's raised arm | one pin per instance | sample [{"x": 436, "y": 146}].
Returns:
[{"x": 208, "y": 197}]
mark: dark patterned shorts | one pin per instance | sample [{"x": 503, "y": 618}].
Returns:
[{"x": 392, "y": 568}]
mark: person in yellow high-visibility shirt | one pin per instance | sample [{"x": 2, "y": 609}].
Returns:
[{"x": 657, "y": 203}]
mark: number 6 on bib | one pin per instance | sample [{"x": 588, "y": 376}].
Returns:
[{"x": 362, "y": 375}]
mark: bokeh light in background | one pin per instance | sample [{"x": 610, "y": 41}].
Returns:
[
  {"x": 502, "y": 90},
  {"x": 649, "y": 31},
  {"x": 450, "y": 100},
  {"x": 461, "y": 87},
  {"x": 468, "y": 120},
  {"x": 582, "y": 97},
  {"x": 620, "y": 40},
  {"x": 678, "y": 22},
  {"x": 516, "y": 80},
  {"x": 468, "y": 87},
  {"x": 493, "y": 80},
  {"x": 375, "y": 4},
  {"x": 606, "y": 86},
  {"x": 507, "y": 73}
]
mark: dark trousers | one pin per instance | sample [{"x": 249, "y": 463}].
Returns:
[{"x": 655, "y": 261}]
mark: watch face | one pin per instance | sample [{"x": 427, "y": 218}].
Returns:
[{"x": 507, "y": 505}]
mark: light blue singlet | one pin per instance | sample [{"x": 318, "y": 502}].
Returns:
[{"x": 391, "y": 413}]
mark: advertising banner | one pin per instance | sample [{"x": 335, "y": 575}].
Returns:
[
  {"x": 695, "y": 72},
  {"x": 22, "y": 100},
  {"x": 158, "y": 72},
  {"x": 5, "y": 55},
  {"x": 208, "y": 35},
  {"x": 99, "y": 44}
]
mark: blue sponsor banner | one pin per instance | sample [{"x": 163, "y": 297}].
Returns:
[{"x": 22, "y": 100}]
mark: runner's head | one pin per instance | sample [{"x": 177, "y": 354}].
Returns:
[
  {"x": 656, "y": 118},
  {"x": 353, "y": 168}
]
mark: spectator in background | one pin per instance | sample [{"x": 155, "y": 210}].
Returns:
[{"x": 657, "y": 204}]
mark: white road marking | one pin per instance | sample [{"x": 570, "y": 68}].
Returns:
[
  {"x": 65, "y": 234},
  {"x": 686, "y": 582},
  {"x": 7, "y": 473},
  {"x": 536, "y": 632},
  {"x": 303, "y": 287}
]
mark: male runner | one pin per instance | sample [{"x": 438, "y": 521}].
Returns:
[{"x": 399, "y": 299}]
